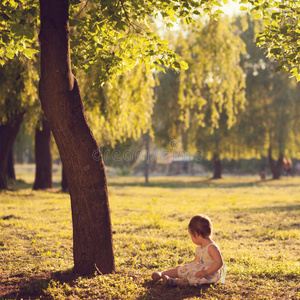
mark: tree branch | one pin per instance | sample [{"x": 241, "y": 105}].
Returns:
[
  {"x": 126, "y": 15},
  {"x": 84, "y": 7}
]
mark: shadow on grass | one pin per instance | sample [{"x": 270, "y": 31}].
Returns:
[
  {"x": 273, "y": 208},
  {"x": 157, "y": 291},
  {"x": 22, "y": 286},
  {"x": 19, "y": 184},
  {"x": 170, "y": 182},
  {"x": 206, "y": 183}
]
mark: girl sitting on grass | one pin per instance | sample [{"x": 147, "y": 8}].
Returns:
[{"x": 207, "y": 267}]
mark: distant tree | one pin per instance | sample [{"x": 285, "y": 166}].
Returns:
[
  {"x": 268, "y": 124},
  {"x": 16, "y": 98},
  {"x": 43, "y": 157},
  {"x": 10, "y": 171},
  {"x": 8, "y": 133},
  {"x": 199, "y": 104}
]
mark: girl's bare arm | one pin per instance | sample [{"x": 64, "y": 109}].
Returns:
[{"x": 214, "y": 252}]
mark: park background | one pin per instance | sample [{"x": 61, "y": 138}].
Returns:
[{"x": 220, "y": 138}]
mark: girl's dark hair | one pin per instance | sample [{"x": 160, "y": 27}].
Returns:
[{"x": 201, "y": 224}]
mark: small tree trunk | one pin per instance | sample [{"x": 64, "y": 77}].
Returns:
[
  {"x": 10, "y": 171},
  {"x": 8, "y": 134},
  {"x": 147, "y": 158},
  {"x": 79, "y": 152},
  {"x": 276, "y": 169},
  {"x": 43, "y": 157},
  {"x": 217, "y": 167},
  {"x": 64, "y": 182}
]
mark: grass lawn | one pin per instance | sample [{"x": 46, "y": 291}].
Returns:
[{"x": 257, "y": 226}]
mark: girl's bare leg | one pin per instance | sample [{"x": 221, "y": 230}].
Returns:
[{"x": 171, "y": 273}]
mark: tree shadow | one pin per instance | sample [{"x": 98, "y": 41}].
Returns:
[
  {"x": 20, "y": 184},
  {"x": 157, "y": 291},
  {"x": 273, "y": 208},
  {"x": 200, "y": 183},
  {"x": 22, "y": 286}
]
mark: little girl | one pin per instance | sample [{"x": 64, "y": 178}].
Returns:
[{"x": 207, "y": 267}]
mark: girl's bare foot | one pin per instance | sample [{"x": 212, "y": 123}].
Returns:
[{"x": 156, "y": 276}]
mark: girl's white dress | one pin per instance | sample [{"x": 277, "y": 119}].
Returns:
[{"x": 203, "y": 262}]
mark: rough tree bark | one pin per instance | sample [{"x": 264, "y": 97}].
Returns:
[
  {"x": 43, "y": 157},
  {"x": 80, "y": 154},
  {"x": 217, "y": 167},
  {"x": 8, "y": 134},
  {"x": 276, "y": 168},
  {"x": 64, "y": 181}
]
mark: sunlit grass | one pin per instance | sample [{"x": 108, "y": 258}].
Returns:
[{"x": 256, "y": 226}]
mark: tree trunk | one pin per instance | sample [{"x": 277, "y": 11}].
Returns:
[
  {"x": 147, "y": 158},
  {"x": 64, "y": 182},
  {"x": 43, "y": 157},
  {"x": 10, "y": 169},
  {"x": 8, "y": 134},
  {"x": 217, "y": 167},
  {"x": 80, "y": 154},
  {"x": 276, "y": 169}
]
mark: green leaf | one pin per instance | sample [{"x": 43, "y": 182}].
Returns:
[
  {"x": 176, "y": 65},
  {"x": 294, "y": 71},
  {"x": 279, "y": 68},
  {"x": 219, "y": 11},
  {"x": 158, "y": 68},
  {"x": 10, "y": 54},
  {"x": 184, "y": 65},
  {"x": 257, "y": 16},
  {"x": 276, "y": 51},
  {"x": 29, "y": 52}
]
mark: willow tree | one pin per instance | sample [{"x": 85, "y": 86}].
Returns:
[
  {"x": 211, "y": 91},
  {"x": 121, "y": 108},
  {"x": 17, "y": 97}
]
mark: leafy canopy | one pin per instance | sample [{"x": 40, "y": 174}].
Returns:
[
  {"x": 281, "y": 34},
  {"x": 117, "y": 33}
]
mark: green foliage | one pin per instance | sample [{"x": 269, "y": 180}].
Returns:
[
  {"x": 272, "y": 109},
  {"x": 108, "y": 40},
  {"x": 118, "y": 33},
  {"x": 18, "y": 88},
  {"x": 121, "y": 108},
  {"x": 214, "y": 82},
  {"x": 199, "y": 105},
  {"x": 18, "y": 22},
  {"x": 115, "y": 34},
  {"x": 166, "y": 117},
  {"x": 255, "y": 225},
  {"x": 281, "y": 34}
]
